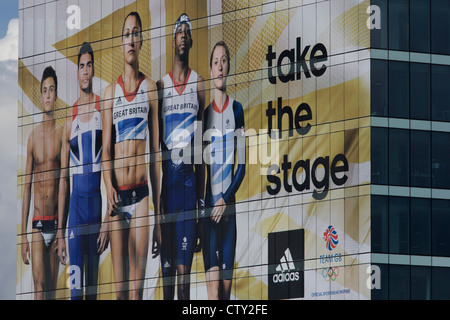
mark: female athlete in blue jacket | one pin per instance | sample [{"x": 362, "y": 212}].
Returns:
[{"x": 224, "y": 132}]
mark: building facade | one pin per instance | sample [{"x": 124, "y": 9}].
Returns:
[
  {"x": 343, "y": 192},
  {"x": 410, "y": 133}
]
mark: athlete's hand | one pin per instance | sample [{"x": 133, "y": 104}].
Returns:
[
  {"x": 112, "y": 200},
  {"x": 200, "y": 217},
  {"x": 198, "y": 246},
  {"x": 103, "y": 238},
  {"x": 156, "y": 246},
  {"x": 25, "y": 250},
  {"x": 61, "y": 250},
  {"x": 218, "y": 210},
  {"x": 157, "y": 237}
]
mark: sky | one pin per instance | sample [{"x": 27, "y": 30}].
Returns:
[{"x": 9, "y": 14}]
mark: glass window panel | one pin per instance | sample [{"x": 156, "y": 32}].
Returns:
[
  {"x": 399, "y": 24},
  {"x": 440, "y": 283},
  {"x": 399, "y": 225},
  {"x": 440, "y": 26},
  {"x": 382, "y": 293},
  {"x": 420, "y": 159},
  {"x": 440, "y": 93},
  {"x": 398, "y": 89},
  {"x": 379, "y": 152},
  {"x": 399, "y": 282},
  {"x": 379, "y": 37},
  {"x": 399, "y": 157},
  {"x": 440, "y": 221},
  {"x": 440, "y": 166},
  {"x": 420, "y": 283},
  {"x": 379, "y": 87},
  {"x": 420, "y": 226},
  {"x": 420, "y": 91},
  {"x": 420, "y": 25},
  {"x": 379, "y": 222}
]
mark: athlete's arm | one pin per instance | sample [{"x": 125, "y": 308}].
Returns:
[
  {"x": 220, "y": 205},
  {"x": 103, "y": 238},
  {"x": 160, "y": 88},
  {"x": 107, "y": 161},
  {"x": 200, "y": 167},
  {"x": 64, "y": 194},
  {"x": 239, "y": 153},
  {"x": 154, "y": 143},
  {"x": 25, "y": 248},
  {"x": 153, "y": 122},
  {"x": 156, "y": 158}
]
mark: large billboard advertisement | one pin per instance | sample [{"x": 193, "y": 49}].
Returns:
[{"x": 197, "y": 150}]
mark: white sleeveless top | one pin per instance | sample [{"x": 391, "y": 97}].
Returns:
[
  {"x": 179, "y": 111},
  {"x": 130, "y": 111}
]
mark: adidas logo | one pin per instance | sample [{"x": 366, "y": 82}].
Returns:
[
  {"x": 39, "y": 224},
  {"x": 71, "y": 235},
  {"x": 286, "y": 262},
  {"x": 286, "y": 269},
  {"x": 77, "y": 128}
]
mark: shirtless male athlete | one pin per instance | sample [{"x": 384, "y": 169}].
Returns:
[{"x": 43, "y": 166}]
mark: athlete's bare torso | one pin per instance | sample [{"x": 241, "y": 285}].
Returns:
[{"x": 46, "y": 151}]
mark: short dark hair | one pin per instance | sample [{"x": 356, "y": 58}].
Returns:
[
  {"x": 86, "y": 48},
  {"x": 138, "y": 19},
  {"x": 49, "y": 72},
  {"x": 227, "y": 52}
]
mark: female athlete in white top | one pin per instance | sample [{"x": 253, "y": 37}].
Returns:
[
  {"x": 130, "y": 107},
  {"x": 224, "y": 152}
]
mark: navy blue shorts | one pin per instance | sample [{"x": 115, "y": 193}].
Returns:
[
  {"x": 219, "y": 241},
  {"x": 179, "y": 217}
]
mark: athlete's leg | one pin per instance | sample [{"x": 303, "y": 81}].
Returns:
[
  {"x": 91, "y": 271},
  {"x": 118, "y": 237},
  {"x": 92, "y": 263},
  {"x": 53, "y": 267},
  {"x": 76, "y": 261},
  {"x": 212, "y": 283},
  {"x": 168, "y": 243},
  {"x": 184, "y": 282},
  {"x": 186, "y": 241},
  {"x": 186, "y": 238},
  {"x": 138, "y": 248},
  {"x": 38, "y": 264},
  {"x": 75, "y": 242},
  {"x": 167, "y": 261},
  {"x": 228, "y": 248},
  {"x": 210, "y": 259}
]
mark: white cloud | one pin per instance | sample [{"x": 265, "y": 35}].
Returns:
[{"x": 9, "y": 45}]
